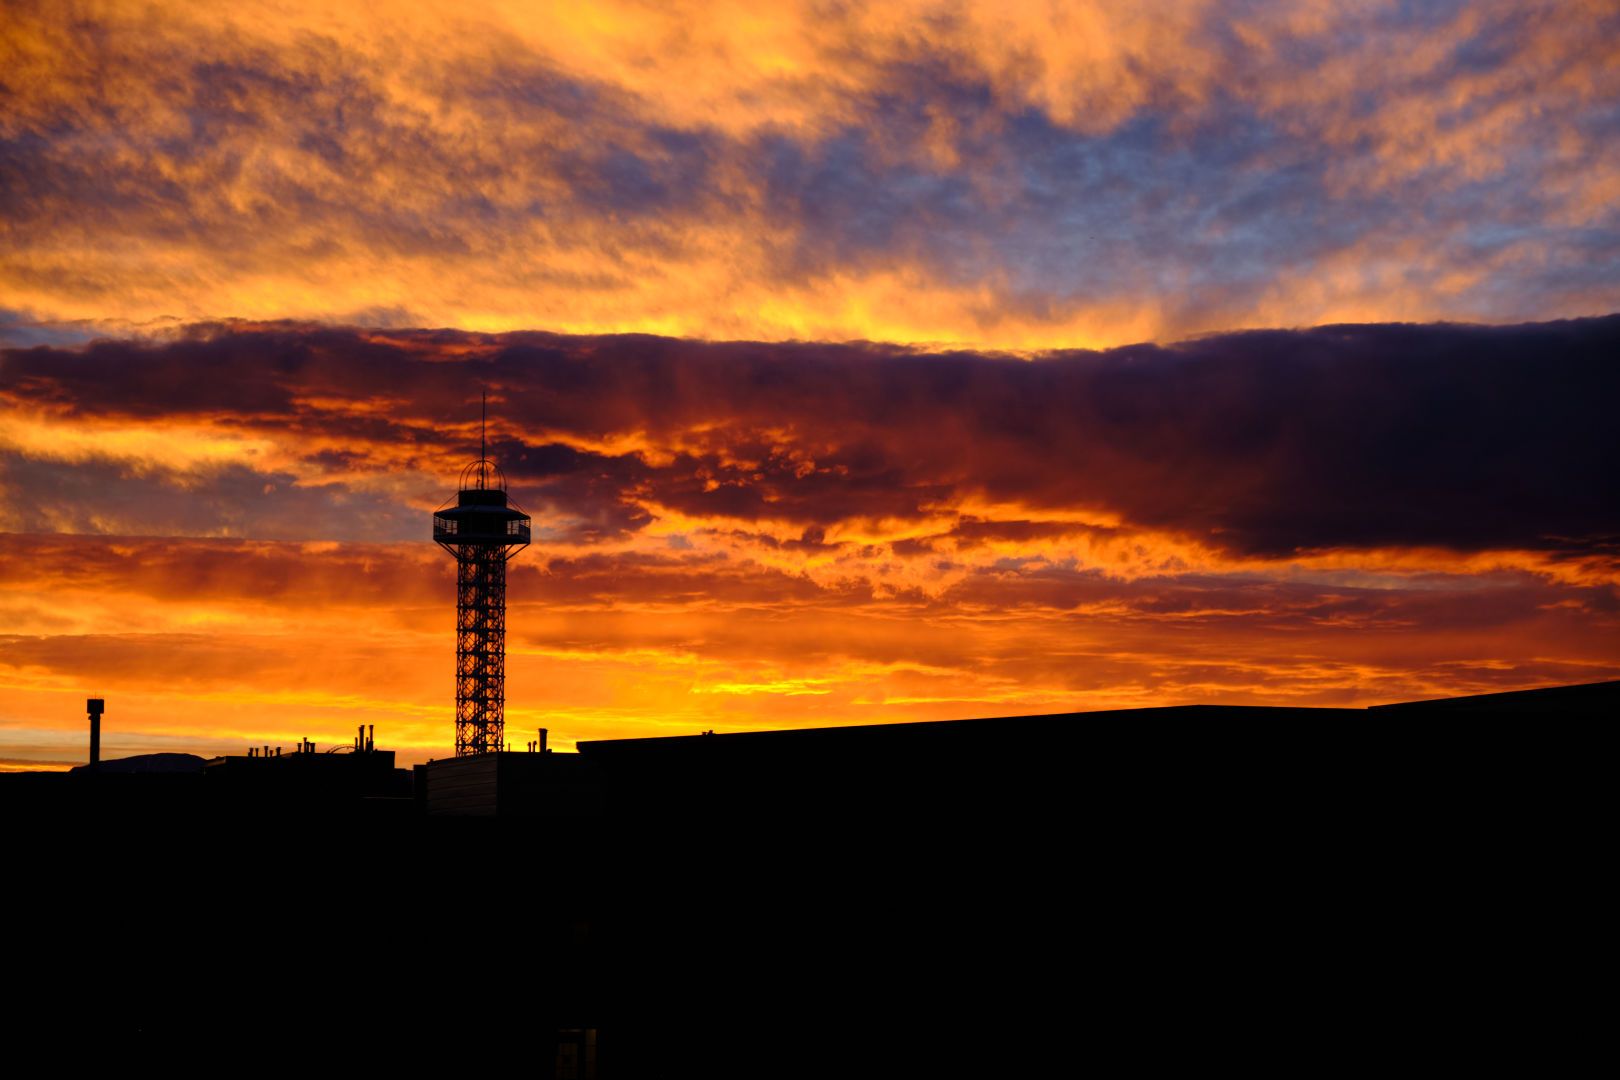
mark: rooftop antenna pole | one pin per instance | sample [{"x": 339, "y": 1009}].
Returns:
[
  {"x": 483, "y": 443},
  {"x": 95, "y": 707}
]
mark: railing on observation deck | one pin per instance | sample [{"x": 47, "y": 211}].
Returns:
[{"x": 444, "y": 528}]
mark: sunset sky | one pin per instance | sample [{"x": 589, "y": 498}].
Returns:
[{"x": 857, "y": 362}]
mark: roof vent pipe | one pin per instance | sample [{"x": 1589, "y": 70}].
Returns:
[{"x": 95, "y": 706}]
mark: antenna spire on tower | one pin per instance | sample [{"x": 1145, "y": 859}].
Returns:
[{"x": 483, "y": 441}]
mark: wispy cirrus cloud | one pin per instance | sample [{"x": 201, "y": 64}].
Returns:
[{"x": 1041, "y": 176}]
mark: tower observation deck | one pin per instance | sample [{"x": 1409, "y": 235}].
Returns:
[{"x": 482, "y": 530}]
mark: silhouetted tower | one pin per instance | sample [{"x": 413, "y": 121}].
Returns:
[
  {"x": 95, "y": 707},
  {"x": 482, "y": 531}
]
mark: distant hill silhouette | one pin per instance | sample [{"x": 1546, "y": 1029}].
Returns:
[{"x": 149, "y": 763}]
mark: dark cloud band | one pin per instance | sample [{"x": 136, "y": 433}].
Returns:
[{"x": 1262, "y": 443}]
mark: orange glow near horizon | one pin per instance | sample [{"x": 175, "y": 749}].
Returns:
[{"x": 229, "y": 666}]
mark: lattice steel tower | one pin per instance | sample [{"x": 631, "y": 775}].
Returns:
[{"x": 482, "y": 531}]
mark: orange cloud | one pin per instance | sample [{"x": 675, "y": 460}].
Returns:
[
  {"x": 1017, "y": 176},
  {"x": 210, "y": 645}
]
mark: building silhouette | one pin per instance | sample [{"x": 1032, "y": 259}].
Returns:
[{"x": 898, "y": 899}]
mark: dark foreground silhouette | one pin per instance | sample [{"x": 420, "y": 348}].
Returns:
[{"x": 1232, "y": 887}]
